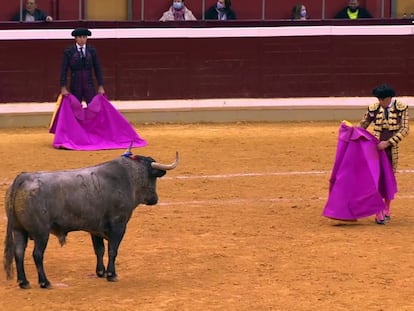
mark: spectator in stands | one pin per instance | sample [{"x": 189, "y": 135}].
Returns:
[
  {"x": 220, "y": 11},
  {"x": 83, "y": 62},
  {"x": 31, "y": 13},
  {"x": 299, "y": 12},
  {"x": 353, "y": 11},
  {"x": 178, "y": 12}
]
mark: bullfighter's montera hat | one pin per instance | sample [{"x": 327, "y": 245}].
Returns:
[
  {"x": 81, "y": 32},
  {"x": 383, "y": 91}
]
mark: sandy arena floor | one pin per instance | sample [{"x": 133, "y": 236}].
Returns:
[{"x": 238, "y": 227}]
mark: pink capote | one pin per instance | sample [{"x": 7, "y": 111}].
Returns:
[
  {"x": 361, "y": 177},
  {"x": 97, "y": 127}
]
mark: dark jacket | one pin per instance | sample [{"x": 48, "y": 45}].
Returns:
[
  {"x": 38, "y": 16},
  {"x": 75, "y": 64},
  {"x": 212, "y": 13},
  {"x": 362, "y": 13},
  {"x": 82, "y": 69}
]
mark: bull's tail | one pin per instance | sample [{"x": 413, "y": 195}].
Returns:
[{"x": 9, "y": 240}]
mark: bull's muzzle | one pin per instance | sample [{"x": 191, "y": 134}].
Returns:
[{"x": 152, "y": 201}]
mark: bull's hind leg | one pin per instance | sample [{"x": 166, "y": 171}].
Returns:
[
  {"x": 20, "y": 242},
  {"x": 99, "y": 248},
  {"x": 40, "y": 243}
]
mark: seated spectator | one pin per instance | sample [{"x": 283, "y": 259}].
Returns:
[
  {"x": 299, "y": 12},
  {"x": 220, "y": 11},
  {"x": 32, "y": 13},
  {"x": 178, "y": 12},
  {"x": 353, "y": 11}
]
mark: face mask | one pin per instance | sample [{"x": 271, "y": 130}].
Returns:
[
  {"x": 353, "y": 10},
  {"x": 220, "y": 5},
  {"x": 178, "y": 5},
  {"x": 303, "y": 13}
]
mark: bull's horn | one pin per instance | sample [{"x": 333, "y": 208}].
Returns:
[{"x": 166, "y": 167}]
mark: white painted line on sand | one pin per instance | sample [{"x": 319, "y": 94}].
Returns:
[
  {"x": 234, "y": 175},
  {"x": 255, "y": 200}
]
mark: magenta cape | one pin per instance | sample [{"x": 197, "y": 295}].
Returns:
[
  {"x": 361, "y": 177},
  {"x": 96, "y": 127}
]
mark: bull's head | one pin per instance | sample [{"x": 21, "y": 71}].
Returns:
[{"x": 156, "y": 170}]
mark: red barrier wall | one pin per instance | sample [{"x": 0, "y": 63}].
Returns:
[{"x": 156, "y": 65}]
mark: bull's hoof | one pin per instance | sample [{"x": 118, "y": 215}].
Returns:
[
  {"x": 100, "y": 274},
  {"x": 24, "y": 285},
  {"x": 111, "y": 278},
  {"x": 45, "y": 285}
]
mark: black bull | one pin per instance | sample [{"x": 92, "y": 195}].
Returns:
[{"x": 98, "y": 199}]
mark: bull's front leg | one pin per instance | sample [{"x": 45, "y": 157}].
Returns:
[
  {"x": 99, "y": 248},
  {"x": 115, "y": 237}
]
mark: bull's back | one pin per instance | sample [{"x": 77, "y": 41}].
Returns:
[{"x": 70, "y": 200}]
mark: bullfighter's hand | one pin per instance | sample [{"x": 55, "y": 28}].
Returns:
[
  {"x": 64, "y": 91},
  {"x": 383, "y": 145},
  {"x": 101, "y": 90}
]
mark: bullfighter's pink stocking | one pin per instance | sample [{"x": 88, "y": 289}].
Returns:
[{"x": 387, "y": 207}]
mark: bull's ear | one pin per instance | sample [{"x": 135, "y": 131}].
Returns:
[{"x": 157, "y": 173}]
